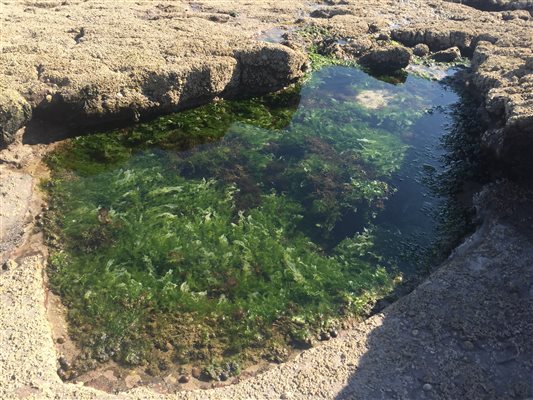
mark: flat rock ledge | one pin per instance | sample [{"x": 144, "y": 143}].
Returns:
[{"x": 465, "y": 333}]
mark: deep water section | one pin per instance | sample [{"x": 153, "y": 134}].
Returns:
[{"x": 233, "y": 232}]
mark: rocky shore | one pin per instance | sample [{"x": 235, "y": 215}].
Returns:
[{"x": 68, "y": 66}]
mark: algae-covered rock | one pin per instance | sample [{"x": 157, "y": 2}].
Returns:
[{"x": 14, "y": 113}]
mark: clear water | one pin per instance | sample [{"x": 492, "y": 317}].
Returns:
[{"x": 238, "y": 230}]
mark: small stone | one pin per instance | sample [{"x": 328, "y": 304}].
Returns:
[
  {"x": 196, "y": 372},
  {"x": 286, "y": 396},
  {"x": 383, "y": 36},
  {"x": 421, "y": 50},
  {"x": 223, "y": 376},
  {"x": 168, "y": 346},
  {"x": 49, "y": 98},
  {"x": 415, "y": 332},
  {"x": 333, "y": 333},
  {"x": 324, "y": 336},
  {"x": 184, "y": 379},
  {"x": 427, "y": 387},
  {"x": 60, "y": 340}
]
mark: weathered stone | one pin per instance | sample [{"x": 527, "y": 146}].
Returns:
[
  {"x": 15, "y": 112},
  {"x": 448, "y": 55},
  {"x": 387, "y": 59},
  {"x": 421, "y": 50}
]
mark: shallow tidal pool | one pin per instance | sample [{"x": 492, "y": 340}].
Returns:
[{"x": 236, "y": 231}]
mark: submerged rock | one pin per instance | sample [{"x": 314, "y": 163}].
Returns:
[
  {"x": 374, "y": 99},
  {"x": 386, "y": 60}
]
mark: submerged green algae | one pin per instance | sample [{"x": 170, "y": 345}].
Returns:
[{"x": 232, "y": 231}]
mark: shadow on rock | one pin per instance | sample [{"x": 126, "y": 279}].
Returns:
[{"x": 465, "y": 333}]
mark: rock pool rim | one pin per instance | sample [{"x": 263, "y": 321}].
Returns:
[{"x": 323, "y": 335}]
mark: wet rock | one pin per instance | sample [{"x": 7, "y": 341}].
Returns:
[
  {"x": 184, "y": 379},
  {"x": 448, "y": 55},
  {"x": 324, "y": 336},
  {"x": 15, "y": 112},
  {"x": 387, "y": 59},
  {"x": 421, "y": 50},
  {"x": 427, "y": 387},
  {"x": 333, "y": 333}
]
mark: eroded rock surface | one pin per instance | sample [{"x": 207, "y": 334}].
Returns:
[
  {"x": 465, "y": 333},
  {"x": 100, "y": 61}
]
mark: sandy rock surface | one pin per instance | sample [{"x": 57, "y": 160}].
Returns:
[
  {"x": 99, "y": 61},
  {"x": 464, "y": 333}
]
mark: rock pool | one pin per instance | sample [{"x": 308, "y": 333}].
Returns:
[{"x": 236, "y": 231}]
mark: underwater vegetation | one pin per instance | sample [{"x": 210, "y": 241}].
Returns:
[{"x": 234, "y": 231}]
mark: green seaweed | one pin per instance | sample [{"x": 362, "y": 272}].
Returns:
[{"x": 214, "y": 232}]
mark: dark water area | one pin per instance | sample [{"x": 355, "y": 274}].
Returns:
[{"x": 239, "y": 230}]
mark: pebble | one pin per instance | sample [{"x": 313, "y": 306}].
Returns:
[
  {"x": 333, "y": 333},
  {"x": 324, "y": 336},
  {"x": 184, "y": 379},
  {"x": 414, "y": 332},
  {"x": 427, "y": 387},
  {"x": 48, "y": 98},
  {"x": 60, "y": 340},
  {"x": 223, "y": 376}
]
